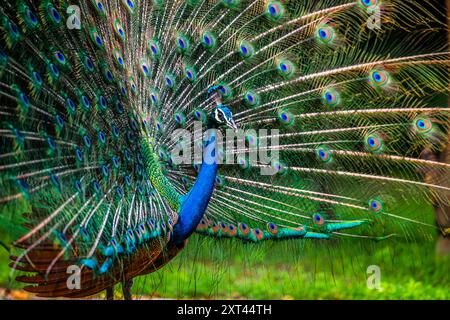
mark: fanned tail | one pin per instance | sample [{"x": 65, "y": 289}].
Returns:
[
  {"x": 352, "y": 95},
  {"x": 73, "y": 276},
  {"x": 355, "y": 109}
]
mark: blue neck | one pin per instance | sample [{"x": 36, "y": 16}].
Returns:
[{"x": 194, "y": 204}]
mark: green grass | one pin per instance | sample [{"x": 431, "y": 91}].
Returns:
[
  {"x": 285, "y": 271},
  {"x": 293, "y": 270}
]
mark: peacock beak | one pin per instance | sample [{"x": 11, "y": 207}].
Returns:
[{"x": 231, "y": 124}]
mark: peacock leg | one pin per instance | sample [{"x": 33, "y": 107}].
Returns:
[
  {"x": 110, "y": 293},
  {"x": 126, "y": 289}
]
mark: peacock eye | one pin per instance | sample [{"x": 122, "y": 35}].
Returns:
[
  {"x": 219, "y": 116},
  {"x": 376, "y": 205},
  {"x": 369, "y": 3},
  {"x": 423, "y": 125},
  {"x": 325, "y": 34}
]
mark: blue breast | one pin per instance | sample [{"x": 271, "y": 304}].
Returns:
[{"x": 194, "y": 204}]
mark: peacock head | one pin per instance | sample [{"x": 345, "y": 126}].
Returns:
[{"x": 221, "y": 116}]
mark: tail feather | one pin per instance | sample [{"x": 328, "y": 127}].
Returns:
[
  {"x": 90, "y": 96},
  {"x": 56, "y": 283}
]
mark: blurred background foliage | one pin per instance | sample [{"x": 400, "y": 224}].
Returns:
[
  {"x": 294, "y": 269},
  {"x": 229, "y": 270}
]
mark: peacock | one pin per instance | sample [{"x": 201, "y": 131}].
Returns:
[{"x": 116, "y": 118}]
